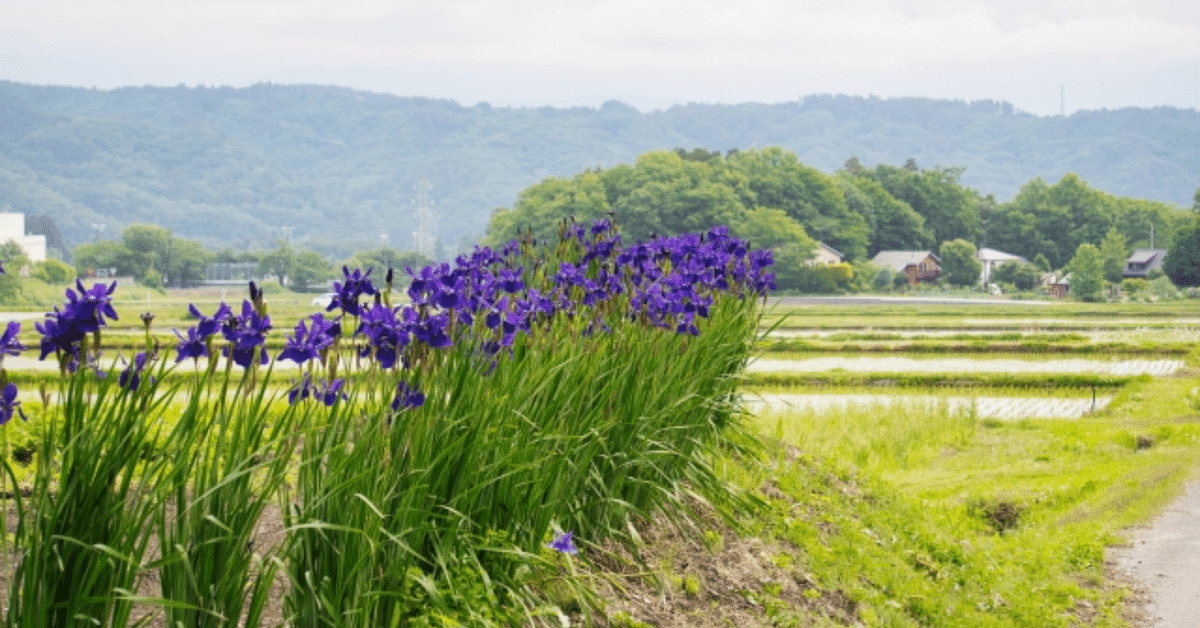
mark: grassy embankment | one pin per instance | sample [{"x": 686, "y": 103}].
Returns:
[{"x": 903, "y": 516}]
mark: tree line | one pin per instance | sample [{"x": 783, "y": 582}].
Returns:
[
  {"x": 776, "y": 201},
  {"x": 157, "y": 258},
  {"x": 231, "y": 167}
]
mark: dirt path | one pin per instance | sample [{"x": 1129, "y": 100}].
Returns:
[{"x": 1164, "y": 557}]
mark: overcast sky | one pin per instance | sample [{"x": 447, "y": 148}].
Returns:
[{"x": 649, "y": 53}]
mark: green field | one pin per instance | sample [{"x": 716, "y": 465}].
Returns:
[
  {"x": 906, "y": 516},
  {"x": 897, "y": 516}
]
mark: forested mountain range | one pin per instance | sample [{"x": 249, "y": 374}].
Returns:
[{"x": 234, "y": 167}]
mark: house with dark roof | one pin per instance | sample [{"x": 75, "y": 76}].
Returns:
[
  {"x": 1142, "y": 261},
  {"x": 918, "y": 265}
]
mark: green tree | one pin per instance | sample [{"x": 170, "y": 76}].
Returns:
[
  {"x": 950, "y": 210},
  {"x": 773, "y": 228},
  {"x": 53, "y": 272},
  {"x": 1114, "y": 254},
  {"x": 105, "y": 254},
  {"x": 1182, "y": 265},
  {"x": 892, "y": 224},
  {"x": 775, "y": 178},
  {"x": 384, "y": 258},
  {"x": 1196, "y": 201},
  {"x": 151, "y": 246},
  {"x": 959, "y": 264},
  {"x": 14, "y": 259},
  {"x": 187, "y": 262},
  {"x": 309, "y": 269},
  {"x": 883, "y": 279},
  {"x": 278, "y": 262},
  {"x": 823, "y": 278},
  {"x": 1087, "y": 272},
  {"x": 1042, "y": 263},
  {"x": 1022, "y": 276}
]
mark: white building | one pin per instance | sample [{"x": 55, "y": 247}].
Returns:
[
  {"x": 825, "y": 254},
  {"x": 992, "y": 259},
  {"x": 12, "y": 227}
]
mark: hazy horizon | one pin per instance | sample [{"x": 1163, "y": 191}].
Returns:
[{"x": 1105, "y": 54}]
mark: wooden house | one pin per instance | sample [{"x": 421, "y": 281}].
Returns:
[
  {"x": 920, "y": 266},
  {"x": 1058, "y": 287}
]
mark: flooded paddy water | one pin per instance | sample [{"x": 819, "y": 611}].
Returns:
[
  {"x": 899, "y": 364},
  {"x": 984, "y": 407}
]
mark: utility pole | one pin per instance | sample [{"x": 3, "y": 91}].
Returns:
[{"x": 423, "y": 236}]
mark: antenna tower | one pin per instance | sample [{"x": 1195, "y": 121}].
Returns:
[{"x": 423, "y": 236}]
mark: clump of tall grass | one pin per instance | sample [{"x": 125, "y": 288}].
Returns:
[{"x": 424, "y": 458}]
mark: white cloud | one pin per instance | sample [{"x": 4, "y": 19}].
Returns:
[{"x": 661, "y": 51}]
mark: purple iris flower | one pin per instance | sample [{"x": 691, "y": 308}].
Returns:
[
  {"x": 193, "y": 346},
  {"x": 307, "y": 344},
  {"x": 131, "y": 377},
  {"x": 9, "y": 404},
  {"x": 59, "y": 335},
  {"x": 246, "y": 334},
  {"x": 511, "y": 281},
  {"x": 432, "y": 331},
  {"x": 562, "y": 543},
  {"x": 88, "y": 309},
  {"x": 9, "y": 344},
  {"x": 386, "y": 335},
  {"x": 327, "y": 392},
  {"x": 353, "y": 286},
  {"x": 331, "y": 392},
  {"x": 210, "y": 325},
  {"x": 407, "y": 397},
  {"x": 300, "y": 390}
]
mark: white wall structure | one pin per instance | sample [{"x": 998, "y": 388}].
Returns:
[
  {"x": 12, "y": 227},
  {"x": 992, "y": 259}
]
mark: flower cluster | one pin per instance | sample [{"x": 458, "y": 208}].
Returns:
[
  {"x": 9, "y": 343},
  {"x": 9, "y": 404},
  {"x": 195, "y": 344},
  {"x": 84, "y": 312},
  {"x": 246, "y": 335},
  {"x": 490, "y": 297},
  {"x": 131, "y": 377},
  {"x": 352, "y": 287},
  {"x": 407, "y": 397},
  {"x": 563, "y": 544},
  {"x": 327, "y": 392},
  {"x": 310, "y": 343}
]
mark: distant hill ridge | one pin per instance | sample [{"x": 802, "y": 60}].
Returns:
[{"x": 232, "y": 166}]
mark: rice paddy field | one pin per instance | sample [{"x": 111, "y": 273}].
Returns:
[{"x": 963, "y": 464}]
